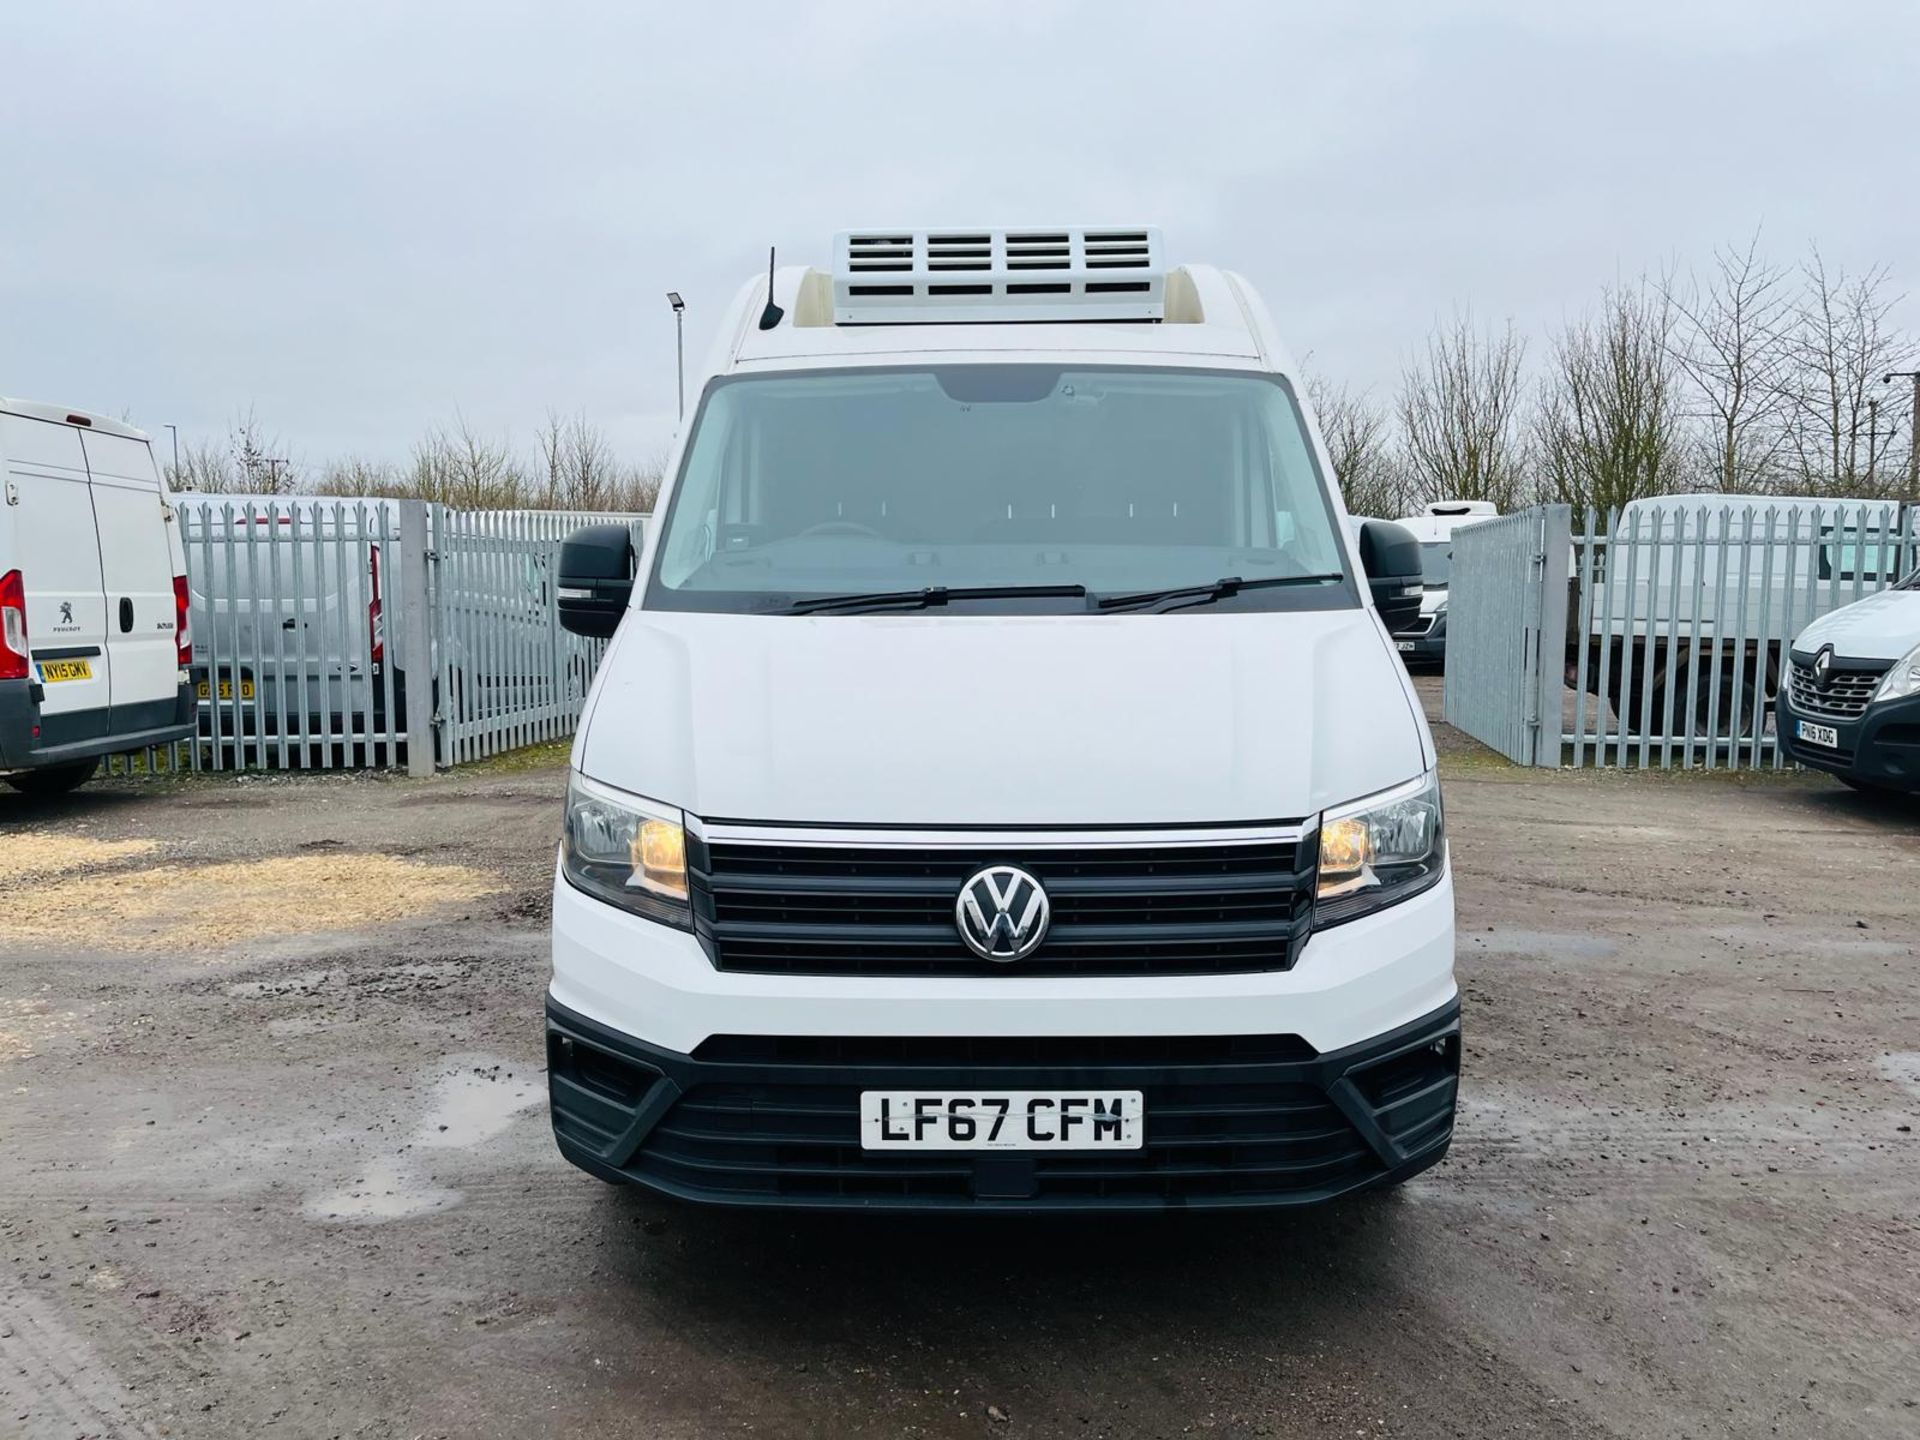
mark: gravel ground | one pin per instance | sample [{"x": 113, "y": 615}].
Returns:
[{"x": 287, "y": 1171}]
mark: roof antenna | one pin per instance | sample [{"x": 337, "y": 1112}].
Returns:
[{"x": 770, "y": 316}]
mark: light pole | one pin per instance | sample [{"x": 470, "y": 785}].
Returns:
[
  {"x": 174, "y": 430},
  {"x": 1913, "y": 430},
  {"x": 679, "y": 348}
]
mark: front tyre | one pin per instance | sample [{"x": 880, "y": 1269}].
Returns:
[{"x": 54, "y": 779}]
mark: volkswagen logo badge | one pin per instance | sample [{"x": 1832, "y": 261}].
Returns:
[
  {"x": 1002, "y": 913},
  {"x": 1823, "y": 667}
]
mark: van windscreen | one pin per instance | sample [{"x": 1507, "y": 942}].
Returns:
[{"x": 1116, "y": 479}]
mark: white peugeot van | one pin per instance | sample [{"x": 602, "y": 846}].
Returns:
[
  {"x": 1001, "y": 792},
  {"x": 93, "y": 598}
]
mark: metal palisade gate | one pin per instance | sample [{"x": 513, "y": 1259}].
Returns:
[
  {"x": 507, "y": 674},
  {"x": 373, "y": 633},
  {"x": 297, "y": 609},
  {"x": 1506, "y": 601},
  {"x": 1676, "y": 620}
]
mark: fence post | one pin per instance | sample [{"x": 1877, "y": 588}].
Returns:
[
  {"x": 416, "y": 636},
  {"x": 1550, "y": 667}
]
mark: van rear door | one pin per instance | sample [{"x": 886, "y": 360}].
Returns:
[
  {"x": 57, "y": 552},
  {"x": 136, "y": 568}
]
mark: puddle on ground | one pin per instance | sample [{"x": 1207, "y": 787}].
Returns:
[
  {"x": 1546, "y": 943},
  {"x": 1802, "y": 939},
  {"x": 475, "y": 1099},
  {"x": 389, "y": 977},
  {"x": 1903, "y": 1068},
  {"x": 297, "y": 1025}
]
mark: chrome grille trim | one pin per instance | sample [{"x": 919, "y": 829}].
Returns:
[{"x": 1846, "y": 697}]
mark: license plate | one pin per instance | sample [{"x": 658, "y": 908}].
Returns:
[
  {"x": 1403, "y": 645},
  {"x": 54, "y": 671},
  {"x": 1819, "y": 734},
  {"x": 226, "y": 689},
  {"x": 1003, "y": 1120}
]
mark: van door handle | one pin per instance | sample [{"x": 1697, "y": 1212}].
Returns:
[
  {"x": 126, "y": 615},
  {"x": 289, "y": 623}
]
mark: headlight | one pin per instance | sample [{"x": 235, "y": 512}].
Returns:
[
  {"x": 627, "y": 851},
  {"x": 1379, "y": 851},
  {"x": 1903, "y": 679}
]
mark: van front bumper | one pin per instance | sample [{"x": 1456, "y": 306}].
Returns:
[
  {"x": 1880, "y": 748},
  {"x": 1261, "y": 1089},
  {"x": 1231, "y": 1122}
]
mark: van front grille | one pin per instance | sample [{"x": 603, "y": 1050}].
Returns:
[
  {"x": 1150, "y": 910},
  {"x": 1846, "y": 697}
]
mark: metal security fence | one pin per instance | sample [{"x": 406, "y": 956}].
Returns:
[
  {"x": 508, "y": 675},
  {"x": 303, "y": 626},
  {"x": 1506, "y": 601},
  {"x": 373, "y": 633},
  {"x": 1677, "y": 616}
]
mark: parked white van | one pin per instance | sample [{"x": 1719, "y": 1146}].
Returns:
[
  {"x": 1425, "y": 636},
  {"x": 93, "y": 599},
  {"x": 1851, "y": 704},
  {"x": 1001, "y": 792}
]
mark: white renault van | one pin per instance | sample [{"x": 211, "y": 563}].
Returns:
[
  {"x": 1851, "y": 701},
  {"x": 1001, "y": 792},
  {"x": 93, "y": 598}
]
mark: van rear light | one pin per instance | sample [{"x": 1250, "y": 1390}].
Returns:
[
  {"x": 16, "y": 662},
  {"x": 376, "y": 623},
  {"x": 182, "y": 627}
]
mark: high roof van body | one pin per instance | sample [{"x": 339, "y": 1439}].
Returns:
[{"x": 1001, "y": 792}]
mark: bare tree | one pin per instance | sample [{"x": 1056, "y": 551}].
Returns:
[
  {"x": 1608, "y": 428},
  {"x": 575, "y": 466},
  {"x": 1841, "y": 345},
  {"x": 1730, "y": 341},
  {"x": 463, "y": 468},
  {"x": 593, "y": 472},
  {"x": 205, "y": 466},
  {"x": 550, "y": 459},
  {"x": 356, "y": 477},
  {"x": 1359, "y": 441},
  {"x": 638, "y": 487},
  {"x": 260, "y": 463},
  {"x": 1460, "y": 416}
]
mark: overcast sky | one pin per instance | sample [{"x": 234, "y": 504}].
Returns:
[{"x": 359, "y": 217}]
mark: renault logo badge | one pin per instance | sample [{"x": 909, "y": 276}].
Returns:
[
  {"x": 1823, "y": 668},
  {"x": 1002, "y": 913}
]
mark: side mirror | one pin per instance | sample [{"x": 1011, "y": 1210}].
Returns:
[
  {"x": 1391, "y": 557},
  {"x": 596, "y": 579}
]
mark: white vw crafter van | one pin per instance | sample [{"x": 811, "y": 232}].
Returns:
[
  {"x": 94, "y": 640},
  {"x": 1001, "y": 792}
]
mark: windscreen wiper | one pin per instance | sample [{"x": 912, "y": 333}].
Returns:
[
  {"x": 1207, "y": 594},
  {"x": 929, "y": 596}
]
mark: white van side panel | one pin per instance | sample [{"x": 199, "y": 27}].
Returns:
[
  {"x": 54, "y": 547},
  {"x": 136, "y": 563}
]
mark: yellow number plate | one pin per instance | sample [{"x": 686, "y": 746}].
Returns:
[
  {"x": 226, "y": 689},
  {"x": 55, "y": 670}
]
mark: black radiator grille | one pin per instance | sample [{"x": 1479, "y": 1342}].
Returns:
[{"x": 1153, "y": 910}]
